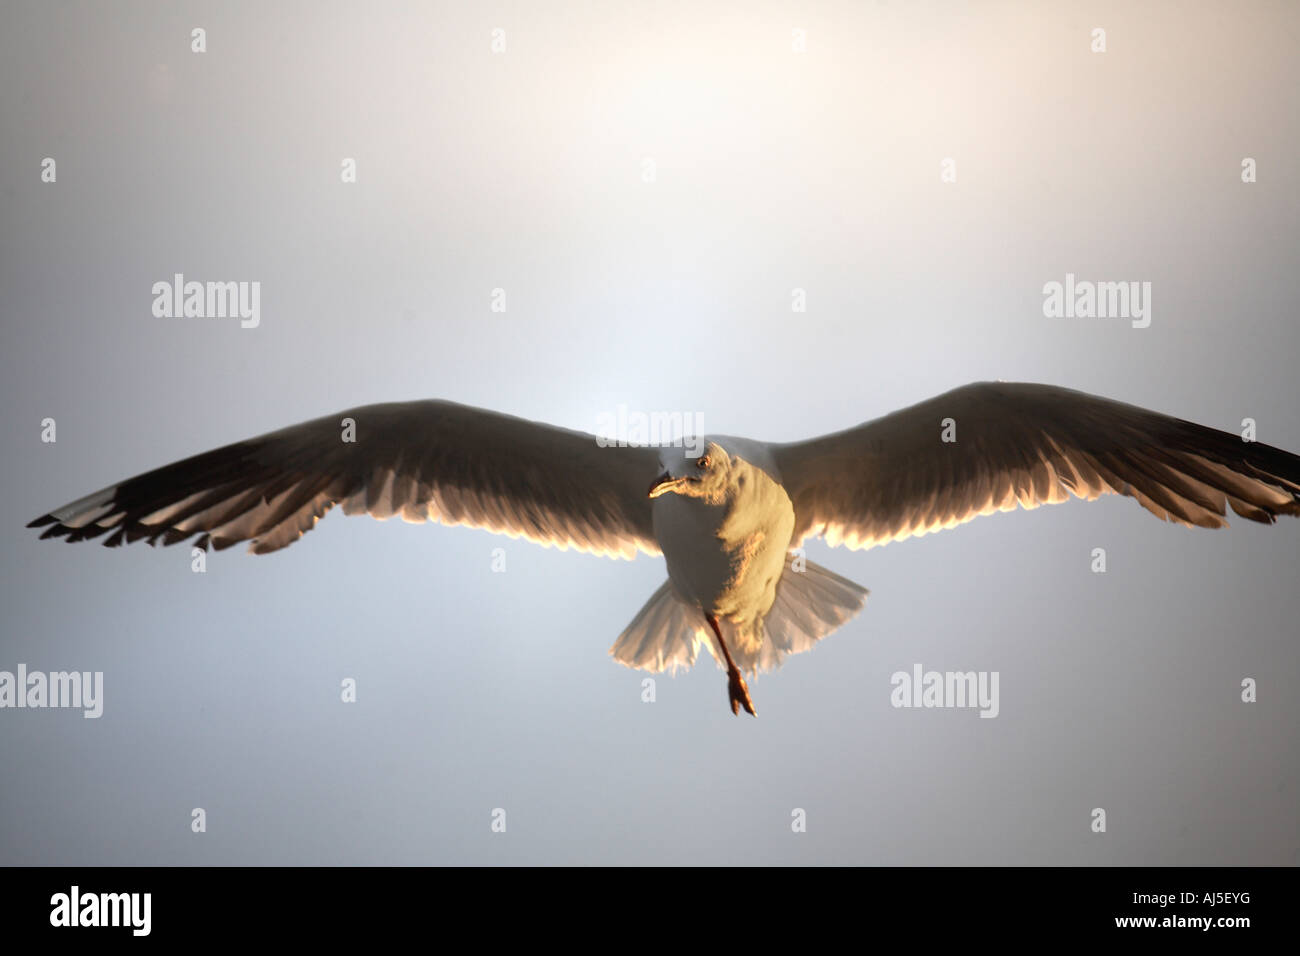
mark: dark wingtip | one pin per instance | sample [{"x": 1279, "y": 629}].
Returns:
[{"x": 42, "y": 521}]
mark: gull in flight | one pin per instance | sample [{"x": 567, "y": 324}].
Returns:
[{"x": 726, "y": 521}]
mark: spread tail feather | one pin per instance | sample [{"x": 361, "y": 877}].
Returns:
[
  {"x": 668, "y": 633},
  {"x": 809, "y": 605}
]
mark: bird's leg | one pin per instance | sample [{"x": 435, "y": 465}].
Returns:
[{"x": 737, "y": 690}]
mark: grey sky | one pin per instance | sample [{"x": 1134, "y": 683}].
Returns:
[{"x": 524, "y": 170}]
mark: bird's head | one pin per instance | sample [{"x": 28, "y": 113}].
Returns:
[{"x": 705, "y": 476}]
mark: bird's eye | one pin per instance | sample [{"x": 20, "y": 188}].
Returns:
[{"x": 702, "y": 462}]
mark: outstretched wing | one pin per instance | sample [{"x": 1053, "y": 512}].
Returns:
[
  {"x": 1024, "y": 445},
  {"x": 427, "y": 460}
]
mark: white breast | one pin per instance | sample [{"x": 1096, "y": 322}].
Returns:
[{"x": 727, "y": 558}]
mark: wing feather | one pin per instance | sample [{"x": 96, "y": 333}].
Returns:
[
  {"x": 427, "y": 460},
  {"x": 1022, "y": 445}
]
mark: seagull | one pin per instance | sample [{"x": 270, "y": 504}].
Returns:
[{"x": 729, "y": 519}]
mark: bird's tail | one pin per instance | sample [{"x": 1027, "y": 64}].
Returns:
[
  {"x": 668, "y": 633},
  {"x": 810, "y": 604}
]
